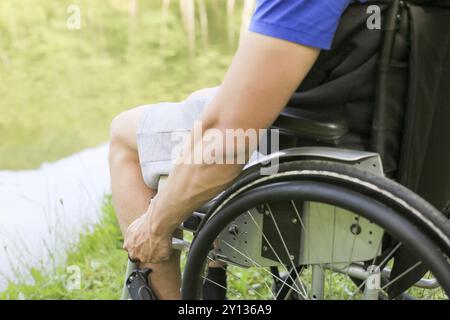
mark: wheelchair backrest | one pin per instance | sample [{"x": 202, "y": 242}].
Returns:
[
  {"x": 392, "y": 87},
  {"x": 425, "y": 151}
]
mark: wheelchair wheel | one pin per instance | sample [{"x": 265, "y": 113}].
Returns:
[{"x": 322, "y": 230}]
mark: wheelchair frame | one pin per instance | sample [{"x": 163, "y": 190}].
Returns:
[{"x": 367, "y": 248}]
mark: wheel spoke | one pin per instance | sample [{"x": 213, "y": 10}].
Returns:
[
  {"x": 332, "y": 251},
  {"x": 239, "y": 278},
  {"x": 285, "y": 247},
  {"x": 302, "y": 225},
  {"x": 221, "y": 286},
  {"x": 385, "y": 260},
  {"x": 262, "y": 268},
  {"x": 401, "y": 275},
  {"x": 276, "y": 255},
  {"x": 349, "y": 260}
]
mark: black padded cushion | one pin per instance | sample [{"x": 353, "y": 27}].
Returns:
[{"x": 311, "y": 125}]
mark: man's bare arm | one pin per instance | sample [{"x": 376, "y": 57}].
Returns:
[{"x": 264, "y": 74}]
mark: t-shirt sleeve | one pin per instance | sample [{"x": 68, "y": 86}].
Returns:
[{"x": 307, "y": 22}]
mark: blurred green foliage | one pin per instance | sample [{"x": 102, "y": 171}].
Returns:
[{"x": 60, "y": 88}]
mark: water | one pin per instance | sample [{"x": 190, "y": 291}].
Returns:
[{"x": 43, "y": 211}]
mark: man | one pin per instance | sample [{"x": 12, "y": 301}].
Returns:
[{"x": 283, "y": 42}]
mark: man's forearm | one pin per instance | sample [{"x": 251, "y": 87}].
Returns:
[{"x": 188, "y": 187}]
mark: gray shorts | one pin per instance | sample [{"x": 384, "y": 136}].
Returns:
[{"x": 161, "y": 130}]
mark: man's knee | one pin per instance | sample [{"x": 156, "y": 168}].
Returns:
[
  {"x": 117, "y": 128},
  {"x": 124, "y": 126},
  {"x": 122, "y": 136}
]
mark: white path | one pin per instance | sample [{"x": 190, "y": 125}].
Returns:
[{"x": 42, "y": 211}]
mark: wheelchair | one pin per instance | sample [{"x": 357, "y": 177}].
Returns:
[{"x": 364, "y": 141}]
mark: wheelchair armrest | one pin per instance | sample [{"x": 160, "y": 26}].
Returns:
[{"x": 310, "y": 124}]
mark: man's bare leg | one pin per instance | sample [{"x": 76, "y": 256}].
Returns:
[{"x": 131, "y": 197}]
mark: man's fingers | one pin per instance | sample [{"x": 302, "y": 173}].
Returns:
[
  {"x": 147, "y": 259},
  {"x": 126, "y": 246},
  {"x": 158, "y": 260},
  {"x": 134, "y": 260},
  {"x": 144, "y": 249},
  {"x": 163, "y": 259}
]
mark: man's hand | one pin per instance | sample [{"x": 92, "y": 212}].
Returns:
[{"x": 145, "y": 245}]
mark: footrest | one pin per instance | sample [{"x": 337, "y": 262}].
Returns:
[{"x": 138, "y": 286}]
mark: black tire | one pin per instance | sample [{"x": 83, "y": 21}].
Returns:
[{"x": 420, "y": 227}]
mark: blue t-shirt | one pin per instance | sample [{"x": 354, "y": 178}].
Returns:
[{"x": 308, "y": 22}]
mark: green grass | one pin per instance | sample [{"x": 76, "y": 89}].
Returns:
[{"x": 99, "y": 257}]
